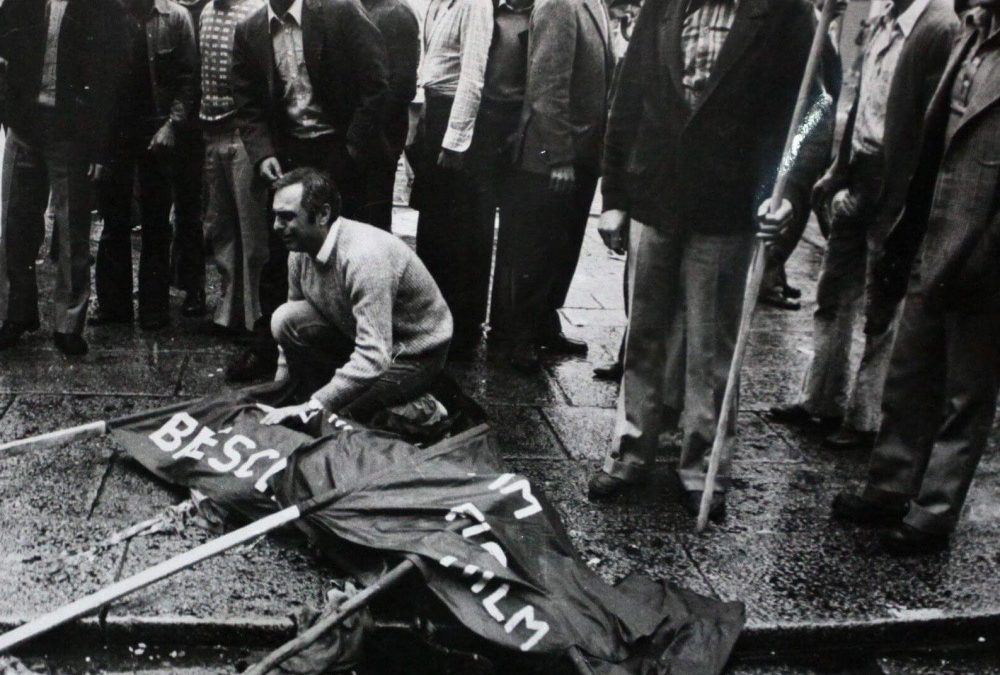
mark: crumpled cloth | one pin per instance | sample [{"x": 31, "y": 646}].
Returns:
[{"x": 424, "y": 418}]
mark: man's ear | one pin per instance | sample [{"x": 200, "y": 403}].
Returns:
[{"x": 325, "y": 213}]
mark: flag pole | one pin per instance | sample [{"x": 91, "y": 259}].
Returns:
[
  {"x": 81, "y": 431},
  {"x": 756, "y": 272},
  {"x": 167, "y": 568}
]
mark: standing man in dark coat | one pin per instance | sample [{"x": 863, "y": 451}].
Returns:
[
  {"x": 853, "y": 192},
  {"x": 570, "y": 64},
  {"x": 401, "y": 32},
  {"x": 311, "y": 85},
  {"x": 941, "y": 391},
  {"x": 63, "y": 60},
  {"x": 695, "y": 138}
]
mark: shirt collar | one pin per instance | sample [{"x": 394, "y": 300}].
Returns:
[
  {"x": 294, "y": 11},
  {"x": 908, "y": 19},
  {"x": 326, "y": 250}
]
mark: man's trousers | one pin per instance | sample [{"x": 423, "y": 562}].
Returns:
[
  {"x": 454, "y": 241},
  {"x": 134, "y": 162},
  {"x": 937, "y": 411},
  {"x": 706, "y": 275},
  {"x": 31, "y": 168},
  {"x": 381, "y": 176},
  {"x": 314, "y": 349},
  {"x": 187, "y": 251},
  {"x": 844, "y": 277}
]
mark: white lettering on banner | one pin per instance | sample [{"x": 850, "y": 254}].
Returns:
[
  {"x": 533, "y": 506},
  {"x": 482, "y": 578},
  {"x": 171, "y": 436}
]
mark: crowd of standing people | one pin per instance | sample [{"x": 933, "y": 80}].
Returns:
[{"x": 244, "y": 130}]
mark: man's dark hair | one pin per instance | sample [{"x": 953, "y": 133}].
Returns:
[{"x": 317, "y": 189}]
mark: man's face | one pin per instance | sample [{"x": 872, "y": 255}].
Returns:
[{"x": 297, "y": 229}]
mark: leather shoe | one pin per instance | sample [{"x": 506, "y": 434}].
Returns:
[
  {"x": 772, "y": 297},
  {"x": 904, "y": 540},
  {"x": 691, "y": 501},
  {"x": 849, "y": 439},
  {"x": 567, "y": 346},
  {"x": 524, "y": 358},
  {"x": 852, "y": 508},
  {"x": 251, "y": 365},
  {"x": 70, "y": 344},
  {"x": 603, "y": 487},
  {"x": 154, "y": 322},
  {"x": 11, "y": 332},
  {"x": 796, "y": 415},
  {"x": 194, "y": 304},
  {"x": 610, "y": 372}
]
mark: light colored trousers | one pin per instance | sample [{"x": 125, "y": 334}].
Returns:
[
  {"x": 235, "y": 227},
  {"x": 699, "y": 280}
]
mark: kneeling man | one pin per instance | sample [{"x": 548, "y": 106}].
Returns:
[{"x": 365, "y": 327}]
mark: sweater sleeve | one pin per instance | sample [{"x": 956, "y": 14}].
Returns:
[{"x": 372, "y": 293}]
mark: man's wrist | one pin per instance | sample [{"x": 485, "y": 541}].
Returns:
[{"x": 313, "y": 404}]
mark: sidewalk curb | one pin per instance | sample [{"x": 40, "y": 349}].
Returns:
[{"x": 928, "y": 629}]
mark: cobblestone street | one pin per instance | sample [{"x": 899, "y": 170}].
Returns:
[{"x": 808, "y": 583}]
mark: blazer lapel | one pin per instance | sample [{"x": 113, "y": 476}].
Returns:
[
  {"x": 261, "y": 37},
  {"x": 986, "y": 94},
  {"x": 599, "y": 14},
  {"x": 668, "y": 43},
  {"x": 748, "y": 21},
  {"x": 312, "y": 40}
]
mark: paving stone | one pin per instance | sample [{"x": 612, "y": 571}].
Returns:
[
  {"x": 29, "y": 371},
  {"x": 523, "y": 432},
  {"x": 264, "y": 579},
  {"x": 496, "y": 383},
  {"x": 585, "y": 432},
  {"x": 970, "y": 664},
  {"x": 31, "y": 570},
  {"x": 204, "y": 374},
  {"x": 616, "y": 539},
  {"x": 576, "y": 380},
  {"x": 131, "y": 494},
  {"x": 594, "y": 317}
]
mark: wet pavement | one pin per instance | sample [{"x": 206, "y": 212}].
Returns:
[{"x": 809, "y": 584}]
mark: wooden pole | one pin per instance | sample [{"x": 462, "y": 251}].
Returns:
[{"x": 756, "y": 272}]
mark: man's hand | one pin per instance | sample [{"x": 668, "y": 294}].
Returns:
[
  {"x": 270, "y": 169},
  {"x": 449, "y": 159},
  {"x": 164, "y": 140},
  {"x": 614, "y": 230},
  {"x": 772, "y": 223},
  {"x": 95, "y": 172},
  {"x": 562, "y": 179},
  {"x": 279, "y": 415},
  {"x": 825, "y": 188}
]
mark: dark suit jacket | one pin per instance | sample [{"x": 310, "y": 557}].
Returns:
[
  {"x": 706, "y": 169},
  {"x": 570, "y": 64},
  {"x": 952, "y": 199},
  {"x": 918, "y": 71},
  {"x": 90, "y": 62},
  {"x": 346, "y": 61}
]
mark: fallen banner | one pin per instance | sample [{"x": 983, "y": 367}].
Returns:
[{"x": 484, "y": 539}]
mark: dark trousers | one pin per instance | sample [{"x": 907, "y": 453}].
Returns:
[
  {"x": 155, "y": 176},
  {"x": 329, "y": 154},
  {"x": 937, "y": 410},
  {"x": 537, "y": 252},
  {"x": 33, "y": 165},
  {"x": 381, "y": 177},
  {"x": 187, "y": 254},
  {"x": 453, "y": 240}
]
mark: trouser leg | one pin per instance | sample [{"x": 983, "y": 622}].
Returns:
[
  {"x": 187, "y": 255},
  {"x": 912, "y": 406},
  {"x": 25, "y": 196},
  {"x": 221, "y": 225},
  {"x": 407, "y": 378},
  {"x": 714, "y": 271},
  {"x": 251, "y": 210},
  {"x": 155, "y": 197},
  {"x": 114, "y": 251},
  {"x": 654, "y": 281},
  {"x": 972, "y": 378},
  {"x": 313, "y": 349},
  {"x": 72, "y": 198}
]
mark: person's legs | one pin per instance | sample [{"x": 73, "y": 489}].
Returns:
[
  {"x": 155, "y": 197},
  {"x": 187, "y": 255},
  {"x": 714, "y": 273},
  {"x": 114, "y": 251},
  {"x": 654, "y": 283},
  {"x": 25, "y": 196},
  {"x": 251, "y": 211},
  {"x": 972, "y": 379},
  {"x": 313, "y": 348},
  {"x": 407, "y": 378},
  {"x": 220, "y": 228}
]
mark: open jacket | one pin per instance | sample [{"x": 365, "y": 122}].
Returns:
[
  {"x": 90, "y": 60},
  {"x": 951, "y": 218},
  {"x": 346, "y": 61},
  {"x": 706, "y": 169}
]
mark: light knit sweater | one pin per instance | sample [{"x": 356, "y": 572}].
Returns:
[{"x": 371, "y": 286}]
